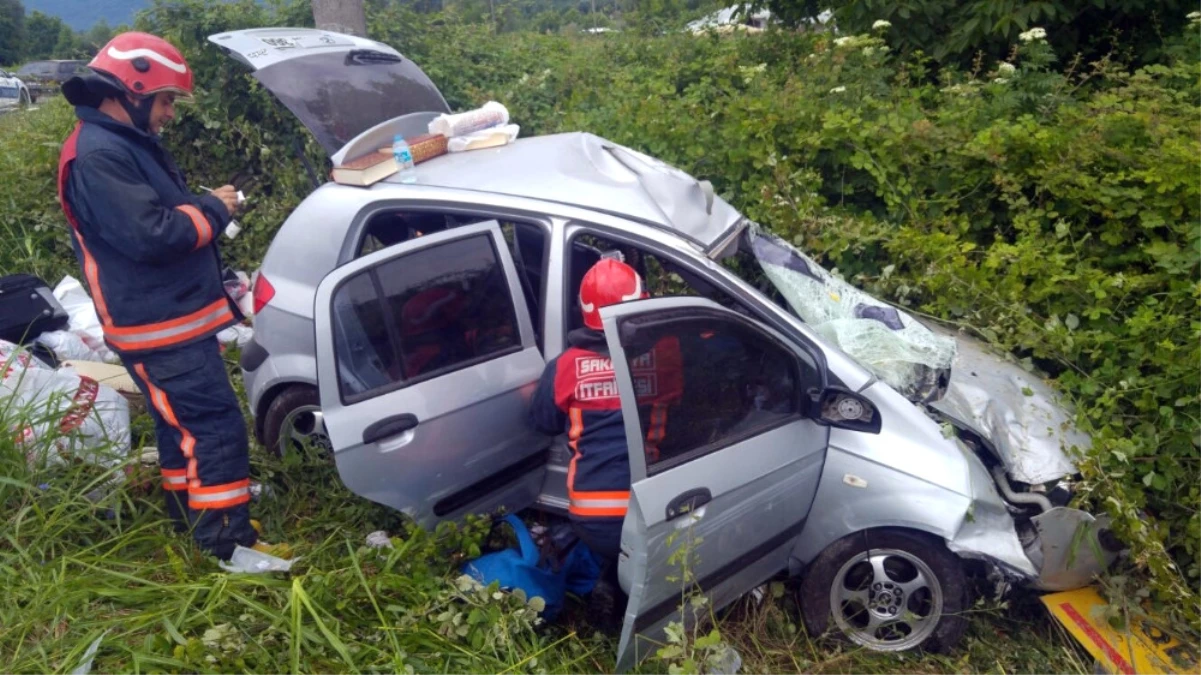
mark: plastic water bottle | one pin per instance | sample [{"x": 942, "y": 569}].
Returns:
[{"x": 404, "y": 159}]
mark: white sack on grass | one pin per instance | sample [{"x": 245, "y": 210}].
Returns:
[
  {"x": 83, "y": 319},
  {"x": 81, "y": 418}
]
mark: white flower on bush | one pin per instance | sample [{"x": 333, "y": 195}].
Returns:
[
  {"x": 1000, "y": 80},
  {"x": 868, "y": 51},
  {"x": 842, "y": 41},
  {"x": 1194, "y": 17},
  {"x": 881, "y": 24},
  {"x": 838, "y": 90},
  {"x": 1033, "y": 34},
  {"x": 1005, "y": 69}
]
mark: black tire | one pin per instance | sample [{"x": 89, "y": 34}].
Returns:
[
  {"x": 915, "y": 612},
  {"x": 293, "y": 415},
  {"x": 24, "y": 100}
]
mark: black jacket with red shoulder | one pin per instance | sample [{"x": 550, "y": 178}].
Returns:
[
  {"x": 578, "y": 395},
  {"x": 147, "y": 246}
]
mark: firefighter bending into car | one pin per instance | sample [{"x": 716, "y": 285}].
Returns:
[
  {"x": 578, "y": 395},
  {"x": 148, "y": 249}
]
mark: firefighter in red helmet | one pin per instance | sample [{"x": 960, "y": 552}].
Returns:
[
  {"x": 578, "y": 395},
  {"x": 148, "y": 250}
]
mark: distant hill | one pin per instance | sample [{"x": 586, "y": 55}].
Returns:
[{"x": 83, "y": 14}]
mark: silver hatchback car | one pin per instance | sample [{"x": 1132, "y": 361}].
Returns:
[{"x": 405, "y": 327}]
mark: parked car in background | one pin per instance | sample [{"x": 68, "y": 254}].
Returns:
[
  {"x": 405, "y": 326},
  {"x": 44, "y": 78},
  {"x": 13, "y": 92}
]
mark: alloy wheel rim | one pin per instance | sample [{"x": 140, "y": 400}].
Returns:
[
  {"x": 886, "y": 599},
  {"x": 304, "y": 427}
]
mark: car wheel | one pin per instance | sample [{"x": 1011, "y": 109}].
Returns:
[
  {"x": 887, "y": 590},
  {"x": 294, "y": 422},
  {"x": 23, "y": 100}
]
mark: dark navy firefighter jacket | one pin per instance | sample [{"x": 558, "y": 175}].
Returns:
[
  {"x": 145, "y": 242},
  {"x": 578, "y": 394}
]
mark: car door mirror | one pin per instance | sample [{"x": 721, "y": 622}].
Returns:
[{"x": 843, "y": 408}]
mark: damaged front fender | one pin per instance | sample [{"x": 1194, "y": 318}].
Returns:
[{"x": 1059, "y": 549}]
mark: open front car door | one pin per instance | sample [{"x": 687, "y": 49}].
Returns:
[{"x": 724, "y": 463}]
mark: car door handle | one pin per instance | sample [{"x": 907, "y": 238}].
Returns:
[
  {"x": 688, "y": 502},
  {"x": 388, "y": 427}
]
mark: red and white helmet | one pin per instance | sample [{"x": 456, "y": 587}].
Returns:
[
  {"x": 609, "y": 282},
  {"x": 144, "y": 64}
]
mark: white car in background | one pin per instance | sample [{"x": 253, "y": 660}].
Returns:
[{"x": 13, "y": 92}]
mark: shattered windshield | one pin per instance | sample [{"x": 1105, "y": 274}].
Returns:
[
  {"x": 888, "y": 342},
  {"x": 338, "y": 95}
]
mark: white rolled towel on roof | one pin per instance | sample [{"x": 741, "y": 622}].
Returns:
[{"x": 492, "y": 114}]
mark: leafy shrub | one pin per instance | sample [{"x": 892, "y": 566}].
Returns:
[{"x": 953, "y": 31}]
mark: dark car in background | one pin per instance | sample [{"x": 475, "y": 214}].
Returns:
[{"x": 43, "y": 78}]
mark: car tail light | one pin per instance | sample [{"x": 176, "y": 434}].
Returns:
[{"x": 263, "y": 292}]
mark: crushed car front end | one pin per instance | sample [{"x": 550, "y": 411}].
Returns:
[{"x": 978, "y": 451}]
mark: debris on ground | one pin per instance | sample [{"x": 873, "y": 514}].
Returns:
[
  {"x": 85, "y": 419},
  {"x": 379, "y": 539},
  {"x": 250, "y": 561}
]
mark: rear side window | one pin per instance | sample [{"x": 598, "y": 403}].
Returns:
[
  {"x": 424, "y": 314},
  {"x": 706, "y": 382}
]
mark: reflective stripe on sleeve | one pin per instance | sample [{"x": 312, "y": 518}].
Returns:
[{"x": 204, "y": 230}]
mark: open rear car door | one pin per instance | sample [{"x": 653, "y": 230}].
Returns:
[{"x": 426, "y": 360}]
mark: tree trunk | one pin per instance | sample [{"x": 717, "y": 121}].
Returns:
[{"x": 340, "y": 16}]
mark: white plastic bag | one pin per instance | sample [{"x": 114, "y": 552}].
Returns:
[
  {"x": 80, "y": 417},
  {"x": 488, "y": 138},
  {"x": 69, "y": 346},
  {"x": 236, "y": 334},
  {"x": 84, "y": 322},
  {"x": 251, "y": 561},
  {"x": 492, "y": 114}
]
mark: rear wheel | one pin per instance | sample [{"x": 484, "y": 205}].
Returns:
[
  {"x": 294, "y": 422},
  {"x": 887, "y": 590}
]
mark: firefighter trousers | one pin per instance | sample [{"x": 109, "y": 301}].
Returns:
[{"x": 203, "y": 447}]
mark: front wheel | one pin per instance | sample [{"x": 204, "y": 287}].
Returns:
[
  {"x": 294, "y": 422},
  {"x": 887, "y": 590},
  {"x": 23, "y": 100}
]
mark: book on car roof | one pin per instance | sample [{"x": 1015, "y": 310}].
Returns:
[{"x": 366, "y": 170}]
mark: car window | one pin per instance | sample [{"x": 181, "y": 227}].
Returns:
[
  {"x": 426, "y": 313},
  {"x": 662, "y": 277},
  {"x": 68, "y": 69},
  {"x": 706, "y": 380},
  {"x": 526, "y": 242}
]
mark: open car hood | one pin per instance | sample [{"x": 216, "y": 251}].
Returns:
[{"x": 337, "y": 85}]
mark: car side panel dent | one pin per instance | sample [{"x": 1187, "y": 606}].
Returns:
[{"x": 988, "y": 531}]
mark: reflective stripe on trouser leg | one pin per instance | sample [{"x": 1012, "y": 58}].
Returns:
[
  {"x": 171, "y": 459},
  {"x": 598, "y": 504},
  {"x": 175, "y": 479},
  {"x": 158, "y": 399},
  {"x": 193, "y": 390}
]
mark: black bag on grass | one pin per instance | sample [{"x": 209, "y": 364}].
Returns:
[{"x": 28, "y": 309}]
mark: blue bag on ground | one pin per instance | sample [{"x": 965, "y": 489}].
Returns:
[{"x": 522, "y": 568}]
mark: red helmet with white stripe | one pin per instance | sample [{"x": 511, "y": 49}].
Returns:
[
  {"x": 609, "y": 282},
  {"x": 144, "y": 64}
]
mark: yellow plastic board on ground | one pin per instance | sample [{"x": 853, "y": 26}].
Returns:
[{"x": 1143, "y": 646}]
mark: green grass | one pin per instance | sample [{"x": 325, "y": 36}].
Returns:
[{"x": 74, "y": 570}]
